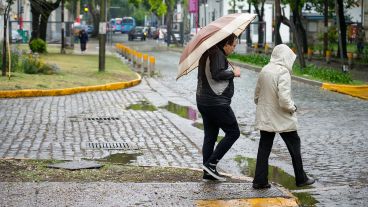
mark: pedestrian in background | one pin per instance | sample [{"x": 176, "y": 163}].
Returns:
[
  {"x": 83, "y": 37},
  {"x": 215, "y": 89},
  {"x": 360, "y": 40},
  {"x": 275, "y": 113}
]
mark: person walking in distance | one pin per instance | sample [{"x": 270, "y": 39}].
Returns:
[
  {"x": 83, "y": 37},
  {"x": 215, "y": 89},
  {"x": 276, "y": 113}
]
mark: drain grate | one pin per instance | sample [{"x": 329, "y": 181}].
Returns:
[
  {"x": 111, "y": 145},
  {"x": 101, "y": 118}
]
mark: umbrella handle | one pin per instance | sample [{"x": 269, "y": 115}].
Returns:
[{"x": 231, "y": 65}]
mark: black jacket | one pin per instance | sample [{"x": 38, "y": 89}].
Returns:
[{"x": 220, "y": 89}]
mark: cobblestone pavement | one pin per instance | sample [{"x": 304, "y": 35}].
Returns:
[
  {"x": 333, "y": 130},
  {"x": 59, "y": 128}
]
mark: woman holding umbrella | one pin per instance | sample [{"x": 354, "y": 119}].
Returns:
[
  {"x": 207, "y": 51},
  {"x": 215, "y": 89}
]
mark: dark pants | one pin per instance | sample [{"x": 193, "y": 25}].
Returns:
[
  {"x": 292, "y": 142},
  {"x": 214, "y": 118},
  {"x": 83, "y": 46}
]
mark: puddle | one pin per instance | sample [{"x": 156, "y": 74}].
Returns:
[
  {"x": 198, "y": 125},
  {"x": 183, "y": 111},
  {"x": 143, "y": 105},
  {"x": 248, "y": 166},
  {"x": 121, "y": 158}
]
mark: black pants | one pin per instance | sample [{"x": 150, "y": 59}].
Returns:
[
  {"x": 292, "y": 142},
  {"x": 214, "y": 118},
  {"x": 83, "y": 46}
]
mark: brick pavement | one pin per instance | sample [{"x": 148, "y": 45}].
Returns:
[{"x": 57, "y": 128}]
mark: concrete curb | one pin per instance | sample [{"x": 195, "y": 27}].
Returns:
[{"x": 69, "y": 91}]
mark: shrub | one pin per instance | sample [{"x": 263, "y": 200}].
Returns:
[
  {"x": 31, "y": 65},
  {"x": 49, "y": 69},
  {"x": 38, "y": 45},
  {"x": 323, "y": 73},
  {"x": 255, "y": 59},
  {"x": 15, "y": 56}
]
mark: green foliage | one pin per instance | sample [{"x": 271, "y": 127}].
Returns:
[
  {"x": 33, "y": 65},
  {"x": 15, "y": 56},
  {"x": 255, "y": 59},
  {"x": 323, "y": 74},
  {"x": 365, "y": 54},
  {"x": 38, "y": 45},
  {"x": 320, "y": 73},
  {"x": 332, "y": 36}
]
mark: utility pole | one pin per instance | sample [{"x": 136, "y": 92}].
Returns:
[
  {"x": 344, "y": 67},
  {"x": 102, "y": 37},
  {"x": 62, "y": 51}
]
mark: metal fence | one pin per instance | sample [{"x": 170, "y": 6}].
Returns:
[{"x": 53, "y": 32}]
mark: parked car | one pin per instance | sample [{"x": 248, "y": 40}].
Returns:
[
  {"x": 137, "y": 33},
  {"x": 90, "y": 29}
]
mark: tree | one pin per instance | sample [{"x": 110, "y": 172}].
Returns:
[
  {"x": 6, "y": 10},
  {"x": 41, "y": 10},
  {"x": 327, "y": 8},
  {"x": 259, "y": 7},
  {"x": 281, "y": 18}
]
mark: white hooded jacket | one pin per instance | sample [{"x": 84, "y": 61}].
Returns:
[{"x": 275, "y": 108}]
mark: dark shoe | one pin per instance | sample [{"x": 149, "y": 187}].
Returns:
[
  {"x": 309, "y": 181},
  {"x": 211, "y": 169},
  {"x": 208, "y": 177},
  {"x": 261, "y": 186}
]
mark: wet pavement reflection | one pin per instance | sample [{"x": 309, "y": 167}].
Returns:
[
  {"x": 143, "y": 105},
  {"x": 121, "y": 158},
  {"x": 277, "y": 175}
]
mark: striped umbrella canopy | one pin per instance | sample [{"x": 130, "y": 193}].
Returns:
[{"x": 209, "y": 36}]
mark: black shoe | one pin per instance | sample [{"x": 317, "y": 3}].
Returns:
[
  {"x": 208, "y": 177},
  {"x": 309, "y": 181},
  {"x": 261, "y": 186},
  {"x": 211, "y": 169}
]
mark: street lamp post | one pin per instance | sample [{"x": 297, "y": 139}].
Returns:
[
  {"x": 102, "y": 37},
  {"x": 62, "y": 28}
]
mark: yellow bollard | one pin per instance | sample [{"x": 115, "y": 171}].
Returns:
[
  {"x": 310, "y": 53},
  {"x": 266, "y": 48},
  {"x": 145, "y": 62},
  {"x": 328, "y": 56},
  {"x": 151, "y": 68},
  {"x": 350, "y": 58},
  {"x": 139, "y": 61}
]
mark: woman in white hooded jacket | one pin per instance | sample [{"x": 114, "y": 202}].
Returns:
[{"x": 275, "y": 113}]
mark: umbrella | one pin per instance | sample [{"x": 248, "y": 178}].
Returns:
[{"x": 209, "y": 36}]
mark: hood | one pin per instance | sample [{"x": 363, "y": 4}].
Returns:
[{"x": 283, "y": 55}]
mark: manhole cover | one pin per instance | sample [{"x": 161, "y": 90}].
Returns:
[
  {"x": 101, "y": 118},
  {"x": 111, "y": 145}
]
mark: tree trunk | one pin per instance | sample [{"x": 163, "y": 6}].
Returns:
[
  {"x": 95, "y": 18},
  {"x": 278, "y": 20},
  {"x": 300, "y": 31},
  {"x": 299, "y": 48},
  {"x": 325, "y": 34},
  {"x": 43, "y": 25},
  {"x": 41, "y": 10},
  {"x": 260, "y": 14},
  {"x": 342, "y": 32}
]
